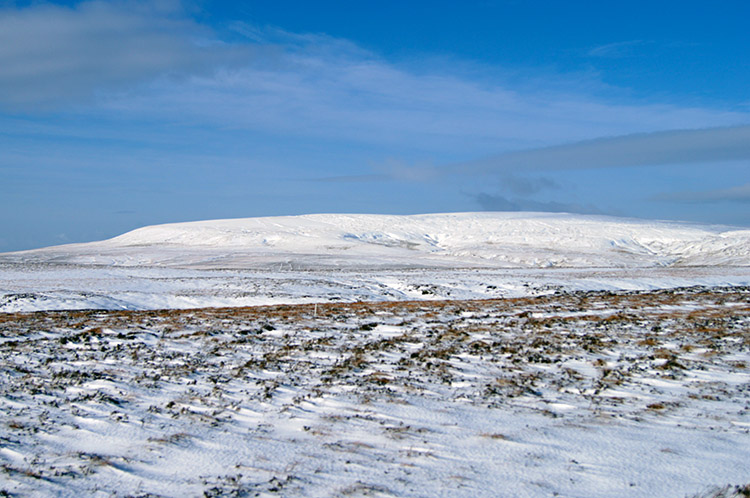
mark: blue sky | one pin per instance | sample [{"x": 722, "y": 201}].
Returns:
[{"x": 115, "y": 115}]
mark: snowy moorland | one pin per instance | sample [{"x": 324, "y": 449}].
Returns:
[
  {"x": 318, "y": 258},
  {"x": 578, "y": 394},
  {"x": 475, "y": 354}
]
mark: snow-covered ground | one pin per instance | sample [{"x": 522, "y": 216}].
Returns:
[
  {"x": 40, "y": 287},
  {"x": 577, "y": 395},
  {"x": 312, "y": 258},
  {"x": 617, "y": 364}
]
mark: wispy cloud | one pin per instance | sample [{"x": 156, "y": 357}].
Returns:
[
  {"x": 617, "y": 49},
  {"x": 739, "y": 193},
  {"x": 310, "y": 86},
  {"x": 353, "y": 178},
  {"x": 326, "y": 93}
]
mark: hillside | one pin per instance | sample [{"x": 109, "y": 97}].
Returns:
[
  {"x": 335, "y": 257},
  {"x": 505, "y": 240}
]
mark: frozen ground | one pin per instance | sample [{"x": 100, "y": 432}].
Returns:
[
  {"x": 578, "y": 394},
  {"x": 314, "y": 258},
  {"x": 55, "y": 286}
]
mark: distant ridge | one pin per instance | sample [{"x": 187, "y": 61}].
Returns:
[{"x": 512, "y": 240}]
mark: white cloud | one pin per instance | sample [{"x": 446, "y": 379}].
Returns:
[
  {"x": 332, "y": 94},
  {"x": 52, "y": 54},
  {"x": 297, "y": 85}
]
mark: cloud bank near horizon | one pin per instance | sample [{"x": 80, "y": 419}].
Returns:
[
  {"x": 660, "y": 148},
  {"x": 740, "y": 193}
]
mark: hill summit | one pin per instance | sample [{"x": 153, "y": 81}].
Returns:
[{"x": 497, "y": 240}]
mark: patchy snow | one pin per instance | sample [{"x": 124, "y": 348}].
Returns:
[{"x": 646, "y": 395}]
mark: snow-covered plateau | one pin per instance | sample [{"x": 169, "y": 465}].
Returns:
[
  {"x": 500, "y": 240},
  {"x": 335, "y": 257}
]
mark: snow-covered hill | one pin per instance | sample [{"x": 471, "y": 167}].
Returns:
[
  {"x": 334, "y": 257},
  {"x": 521, "y": 240}
]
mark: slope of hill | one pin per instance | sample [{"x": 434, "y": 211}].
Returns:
[
  {"x": 334, "y": 257},
  {"x": 520, "y": 240}
]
